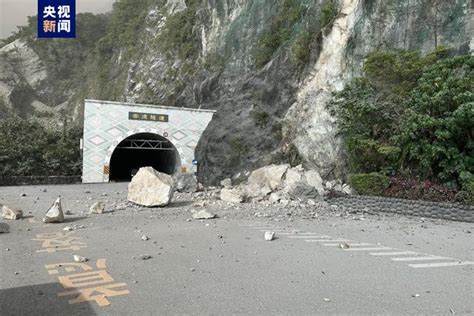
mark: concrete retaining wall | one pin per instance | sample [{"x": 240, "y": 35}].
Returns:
[{"x": 449, "y": 211}]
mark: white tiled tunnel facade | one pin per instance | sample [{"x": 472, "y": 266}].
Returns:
[{"x": 107, "y": 123}]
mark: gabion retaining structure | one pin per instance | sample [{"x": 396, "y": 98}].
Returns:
[
  {"x": 36, "y": 180},
  {"x": 449, "y": 211}
]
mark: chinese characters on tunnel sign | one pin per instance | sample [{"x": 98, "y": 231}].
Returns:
[
  {"x": 148, "y": 117},
  {"x": 56, "y": 18}
]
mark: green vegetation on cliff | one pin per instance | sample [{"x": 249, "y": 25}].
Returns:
[
  {"x": 411, "y": 116},
  {"x": 28, "y": 149}
]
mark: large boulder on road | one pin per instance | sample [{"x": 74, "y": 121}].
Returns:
[{"x": 151, "y": 188}]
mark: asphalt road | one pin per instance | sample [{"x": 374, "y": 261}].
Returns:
[{"x": 394, "y": 265}]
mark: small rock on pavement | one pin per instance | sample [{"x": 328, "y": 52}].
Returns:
[
  {"x": 145, "y": 257},
  {"x": 269, "y": 236},
  {"x": 97, "y": 208},
  {"x": 55, "y": 213},
  {"x": 344, "y": 245},
  {"x": 203, "y": 215},
  {"x": 11, "y": 213},
  {"x": 80, "y": 258},
  {"x": 145, "y": 238}
]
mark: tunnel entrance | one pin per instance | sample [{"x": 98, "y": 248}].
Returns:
[{"x": 143, "y": 150}]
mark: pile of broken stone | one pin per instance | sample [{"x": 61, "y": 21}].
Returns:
[{"x": 281, "y": 184}]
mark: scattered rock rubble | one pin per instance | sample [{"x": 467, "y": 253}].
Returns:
[{"x": 185, "y": 182}]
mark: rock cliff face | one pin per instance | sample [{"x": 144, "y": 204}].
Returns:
[{"x": 267, "y": 67}]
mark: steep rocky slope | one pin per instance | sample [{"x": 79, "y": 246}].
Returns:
[{"x": 268, "y": 67}]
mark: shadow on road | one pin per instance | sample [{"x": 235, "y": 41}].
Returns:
[
  {"x": 4, "y": 228},
  {"x": 180, "y": 203},
  {"x": 41, "y": 299},
  {"x": 73, "y": 219}
]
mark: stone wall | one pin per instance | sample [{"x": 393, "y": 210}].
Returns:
[
  {"x": 449, "y": 211},
  {"x": 35, "y": 180}
]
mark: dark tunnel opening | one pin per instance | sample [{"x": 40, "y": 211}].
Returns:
[{"x": 143, "y": 150}]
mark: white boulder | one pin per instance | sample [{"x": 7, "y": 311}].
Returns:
[
  {"x": 55, "y": 213},
  {"x": 151, "y": 188},
  {"x": 11, "y": 213}
]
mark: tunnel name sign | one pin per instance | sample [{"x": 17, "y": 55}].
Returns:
[{"x": 148, "y": 117}]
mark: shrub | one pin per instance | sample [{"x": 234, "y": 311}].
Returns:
[
  {"x": 436, "y": 132},
  {"x": 300, "y": 49},
  {"x": 466, "y": 196},
  {"x": 289, "y": 13},
  {"x": 260, "y": 118},
  {"x": 328, "y": 13},
  {"x": 410, "y": 115},
  {"x": 373, "y": 183},
  {"x": 413, "y": 189}
]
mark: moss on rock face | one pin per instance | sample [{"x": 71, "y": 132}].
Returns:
[{"x": 369, "y": 183}]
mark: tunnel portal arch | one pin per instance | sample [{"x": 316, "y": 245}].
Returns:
[
  {"x": 143, "y": 150},
  {"x": 112, "y": 128}
]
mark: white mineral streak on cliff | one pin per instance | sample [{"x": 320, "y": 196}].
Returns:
[{"x": 308, "y": 124}]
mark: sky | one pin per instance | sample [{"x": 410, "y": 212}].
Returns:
[{"x": 15, "y": 12}]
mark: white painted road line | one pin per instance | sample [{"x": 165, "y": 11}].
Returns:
[
  {"x": 398, "y": 253},
  {"x": 308, "y": 236},
  {"x": 367, "y": 249},
  {"x": 421, "y": 258},
  {"x": 288, "y": 233},
  {"x": 264, "y": 227},
  {"x": 326, "y": 240},
  {"x": 441, "y": 264},
  {"x": 351, "y": 244}
]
